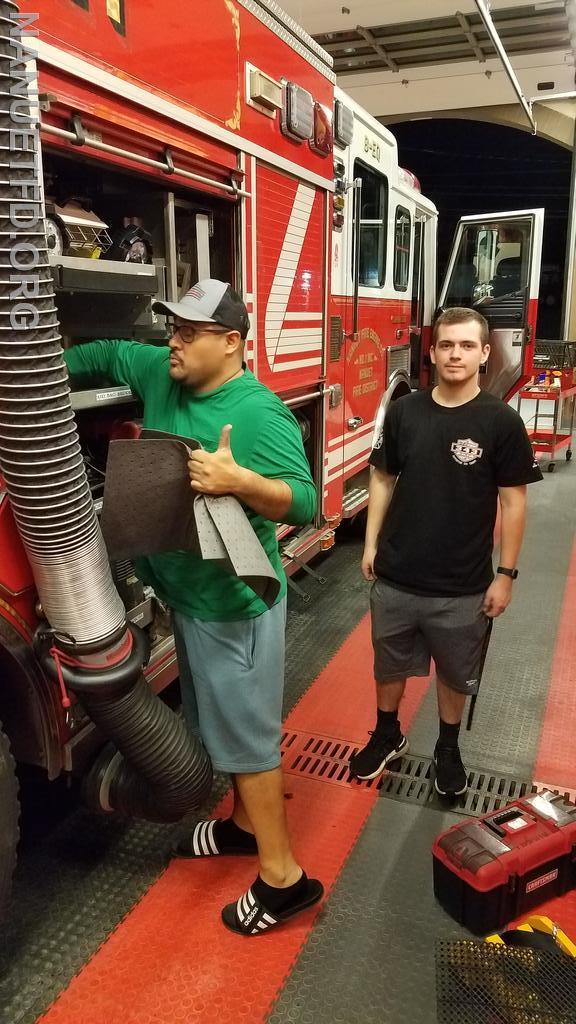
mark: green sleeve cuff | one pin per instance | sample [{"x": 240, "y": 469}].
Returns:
[{"x": 303, "y": 507}]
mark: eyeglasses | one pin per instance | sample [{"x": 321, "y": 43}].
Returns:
[{"x": 188, "y": 334}]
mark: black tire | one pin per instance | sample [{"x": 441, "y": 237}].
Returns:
[
  {"x": 551, "y": 467},
  {"x": 9, "y": 816},
  {"x": 568, "y": 455}
]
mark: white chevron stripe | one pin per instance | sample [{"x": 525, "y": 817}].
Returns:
[
  {"x": 341, "y": 470},
  {"x": 195, "y": 843},
  {"x": 367, "y": 427},
  {"x": 210, "y": 837},
  {"x": 351, "y": 448},
  {"x": 239, "y": 909},
  {"x": 299, "y": 341},
  {"x": 203, "y": 840},
  {"x": 285, "y": 274},
  {"x": 296, "y": 364},
  {"x": 303, "y": 316},
  {"x": 269, "y": 920}
]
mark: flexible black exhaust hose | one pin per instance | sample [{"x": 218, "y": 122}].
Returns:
[
  {"x": 167, "y": 771},
  {"x": 152, "y": 768},
  {"x": 162, "y": 775}
]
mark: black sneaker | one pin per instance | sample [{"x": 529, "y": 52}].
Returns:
[
  {"x": 451, "y": 776},
  {"x": 381, "y": 749}
]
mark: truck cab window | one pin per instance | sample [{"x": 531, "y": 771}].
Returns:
[
  {"x": 402, "y": 239},
  {"x": 492, "y": 262},
  {"x": 373, "y": 220}
]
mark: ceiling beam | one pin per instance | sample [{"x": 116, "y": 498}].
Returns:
[
  {"x": 444, "y": 29},
  {"x": 367, "y": 35},
  {"x": 465, "y": 26},
  {"x": 449, "y": 53}
]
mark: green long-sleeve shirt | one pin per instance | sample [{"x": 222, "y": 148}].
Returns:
[{"x": 265, "y": 438}]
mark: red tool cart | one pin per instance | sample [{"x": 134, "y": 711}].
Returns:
[{"x": 554, "y": 380}]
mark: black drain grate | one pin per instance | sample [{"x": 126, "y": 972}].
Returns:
[
  {"x": 326, "y": 758},
  {"x": 413, "y": 782}
]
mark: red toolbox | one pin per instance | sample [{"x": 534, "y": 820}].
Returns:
[{"x": 490, "y": 870}]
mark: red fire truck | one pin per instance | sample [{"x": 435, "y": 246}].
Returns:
[{"x": 215, "y": 143}]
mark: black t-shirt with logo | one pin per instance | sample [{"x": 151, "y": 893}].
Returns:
[{"x": 437, "y": 536}]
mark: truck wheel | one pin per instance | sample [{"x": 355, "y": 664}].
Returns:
[{"x": 9, "y": 816}]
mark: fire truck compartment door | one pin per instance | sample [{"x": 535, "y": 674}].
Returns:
[{"x": 494, "y": 267}]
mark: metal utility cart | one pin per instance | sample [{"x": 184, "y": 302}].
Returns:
[{"x": 554, "y": 380}]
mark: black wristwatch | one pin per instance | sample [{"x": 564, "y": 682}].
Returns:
[{"x": 512, "y": 573}]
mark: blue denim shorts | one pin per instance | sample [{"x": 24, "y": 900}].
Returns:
[{"x": 232, "y": 683}]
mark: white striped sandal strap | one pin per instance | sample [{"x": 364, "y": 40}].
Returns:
[
  {"x": 248, "y": 916},
  {"x": 202, "y": 840},
  {"x": 251, "y": 917},
  {"x": 206, "y": 840}
]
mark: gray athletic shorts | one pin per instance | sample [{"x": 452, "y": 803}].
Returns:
[
  {"x": 409, "y": 629},
  {"x": 232, "y": 682}
]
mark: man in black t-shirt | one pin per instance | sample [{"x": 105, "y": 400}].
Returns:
[{"x": 442, "y": 460}]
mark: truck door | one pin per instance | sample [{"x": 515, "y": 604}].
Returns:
[
  {"x": 494, "y": 268},
  {"x": 417, "y": 301},
  {"x": 375, "y": 319}
]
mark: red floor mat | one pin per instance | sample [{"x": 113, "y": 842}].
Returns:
[
  {"x": 561, "y": 910},
  {"x": 342, "y": 700},
  {"x": 171, "y": 961},
  {"x": 556, "y": 759}
]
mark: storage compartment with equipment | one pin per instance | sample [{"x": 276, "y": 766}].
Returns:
[{"x": 116, "y": 242}]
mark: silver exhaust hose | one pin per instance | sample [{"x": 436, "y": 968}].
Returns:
[{"x": 40, "y": 456}]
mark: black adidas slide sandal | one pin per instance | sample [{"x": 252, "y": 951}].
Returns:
[
  {"x": 201, "y": 842},
  {"x": 249, "y": 916}
]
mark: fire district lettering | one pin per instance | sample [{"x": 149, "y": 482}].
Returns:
[{"x": 364, "y": 389}]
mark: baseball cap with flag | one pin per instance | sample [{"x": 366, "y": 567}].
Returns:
[{"x": 210, "y": 302}]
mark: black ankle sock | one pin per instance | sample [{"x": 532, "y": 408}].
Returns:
[
  {"x": 228, "y": 834},
  {"x": 278, "y": 900},
  {"x": 448, "y": 736},
  {"x": 388, "y": 722}
]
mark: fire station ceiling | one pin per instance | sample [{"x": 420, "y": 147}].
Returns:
[
  {"x": 410, "y": 58},
  {"x": 458, "y": 37}
]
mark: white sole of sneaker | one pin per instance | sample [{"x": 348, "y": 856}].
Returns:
[
  {"x": 449, "y": 792},
  {"x": 394, "y": 755}
]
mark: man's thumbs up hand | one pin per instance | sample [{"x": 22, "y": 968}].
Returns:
[
  {"x": 224, "y": 442},
  {"x": 216, "y": 472}
]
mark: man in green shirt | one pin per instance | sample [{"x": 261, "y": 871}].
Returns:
[{"x": 230, "y": 645}]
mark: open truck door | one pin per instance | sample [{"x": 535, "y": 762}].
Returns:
[{"x": 494, "y": 268}]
